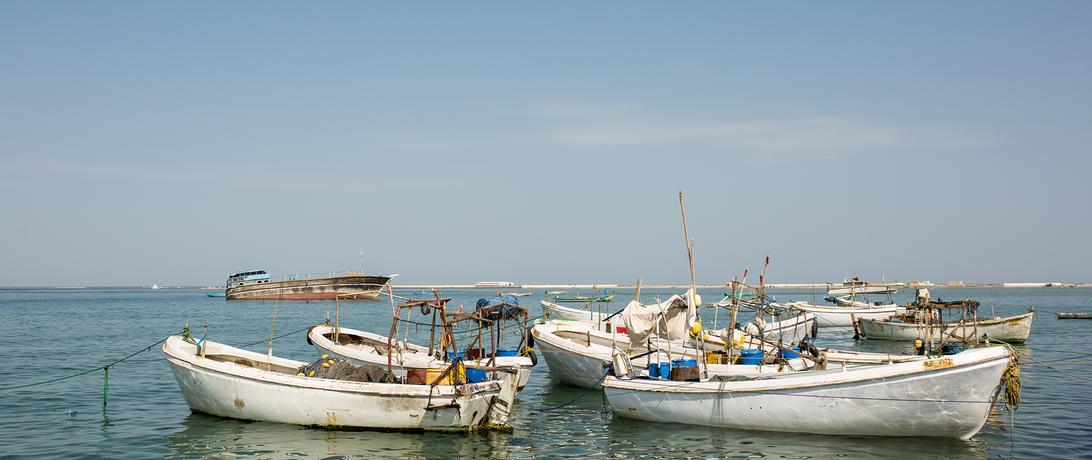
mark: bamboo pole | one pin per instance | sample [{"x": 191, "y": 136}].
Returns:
[{"x": 692, "y": 301}]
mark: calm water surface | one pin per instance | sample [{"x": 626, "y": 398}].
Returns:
[{"x": 48, "y": 333}]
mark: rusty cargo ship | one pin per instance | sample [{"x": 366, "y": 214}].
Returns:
[{"x": 258, "y": 285}]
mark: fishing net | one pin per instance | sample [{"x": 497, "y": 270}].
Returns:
[{"x": 340, "y": 369}]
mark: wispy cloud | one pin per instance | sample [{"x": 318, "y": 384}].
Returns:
[
  {"x": 576, "y": 124},
  {"x": 581, "y": 123}
]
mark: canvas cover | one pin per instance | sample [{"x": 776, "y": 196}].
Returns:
[{"x": 641, "y": 320}]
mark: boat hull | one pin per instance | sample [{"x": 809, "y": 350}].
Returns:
[
  {"x": 831, "y": 316},
  {"x": 351, "y": 287},
  {"x": 1008, "y": 329},
  {"x": 945, "y": 397},
  {"x": 227, "y": 389}
]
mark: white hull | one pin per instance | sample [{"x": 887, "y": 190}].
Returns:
[
  {"x": 1007, "y": 329},
  {"x": 559, "y": 312},
  {"x": 831, "y": 316},
  {"x": 578, "y": 355},
  {"x": 949, "y": 396},
  {"x": 410, "y": 356},
  {"x": 881, "y": 289},
  {"x": 218, "y": 384}
]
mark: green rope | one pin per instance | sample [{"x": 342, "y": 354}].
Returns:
[{"x": 105, "y": 368}]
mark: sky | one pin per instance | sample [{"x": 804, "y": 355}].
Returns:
[{"x": 174, "y": 143}]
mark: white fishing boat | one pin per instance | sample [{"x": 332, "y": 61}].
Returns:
[
  {"x": 1008, "y": 329},
  {"x": 948, "y": 396},
  {"x": 851, "y": 301},
  {"x": 552, "y": 310},
  {"x": 577, "y": 354},
  {"x": 856, "y": 286},
  {"x": 231, "y": 382},
  {"x": 839, "y": 316},
  {"x": 361, "y": 347},
  {"x": 791, "y": 328}
]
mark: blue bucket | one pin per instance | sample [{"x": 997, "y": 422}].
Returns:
[
  {"x": 789, "y": 354},
  {"x": 507, "y": 352},
  {"x": 659, "y": 370},
  {"x": 684, "y": 363},
  {"x": 451, "y": 355},
  {"x": 752, "y": 357},
  {"x": 475, "y": 375}
]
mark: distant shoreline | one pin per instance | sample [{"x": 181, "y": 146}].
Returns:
[
  {"x": 822, "y": 286},
  {"x": 515, "y": 287}
]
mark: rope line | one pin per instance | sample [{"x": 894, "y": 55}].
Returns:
[
  {"x": 102, "y": 368},
  {"x": 581, "y": 395},
  {"x": 106, "y": 367}
]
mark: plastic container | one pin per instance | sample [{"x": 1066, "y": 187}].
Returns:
[
  {"x": 684, "y": 363},
  {"x": 435, "y": 373},
  {"x": 507, "y": 352},
  {"x": 659, "y": 370},
  {"x": 451, "y": 355},
  {"x": 653, "y": 370},
  {"x": 476, "y": 375},
  {"x": 714, "y": 357},
  {"x": 790, "y": 354},
  {"x": 751, "y": 357}
]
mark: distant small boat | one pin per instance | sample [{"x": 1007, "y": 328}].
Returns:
[
  {"x": 1064, "y": 315},
  {"x": 155, "y": 286},
  {"x": 586, "y": 298},
  {"x": 518, "y": 294},
  {"x": 216, "y": 294},
  {"x": 557, "y": 292},
  {"x": 855, "y": 286}
]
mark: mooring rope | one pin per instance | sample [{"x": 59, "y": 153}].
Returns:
[
  {"x": 104, "y": 368},
  {"x": 577, "y": 398}
]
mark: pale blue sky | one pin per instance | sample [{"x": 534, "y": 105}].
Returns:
[{"x": 149, "y": 142}]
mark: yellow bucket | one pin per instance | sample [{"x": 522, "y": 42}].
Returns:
[
  {"x": 435, "y": 373},
  {"x": 714, "y": 357}
]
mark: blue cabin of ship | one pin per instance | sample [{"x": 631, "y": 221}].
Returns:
[{"x": 248, "y": 277}]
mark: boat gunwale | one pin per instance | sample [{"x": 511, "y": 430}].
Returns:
[
  {"x": 421, "y": 353},
  {"x": 226, "y": 368},
  {"x": 891, "y": 371},
  {"x": 955, "y": 324}
]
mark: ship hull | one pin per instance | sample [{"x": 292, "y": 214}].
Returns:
[{"x": 350, "y": 287}]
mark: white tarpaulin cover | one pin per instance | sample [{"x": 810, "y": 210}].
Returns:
[{"x": 641, "y": 320}]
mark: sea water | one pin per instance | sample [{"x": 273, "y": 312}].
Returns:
[{"x": 52, "y": 333}]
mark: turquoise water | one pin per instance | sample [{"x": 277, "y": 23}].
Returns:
[{"x": 49, "y": 333}]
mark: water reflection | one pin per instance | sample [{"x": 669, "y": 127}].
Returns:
[
  {"x": 631, "y": 437},
  {"x": 207, "y": 436}
]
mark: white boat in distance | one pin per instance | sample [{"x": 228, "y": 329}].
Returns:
[
  {"x": 361, "y": 347},
  {"x": 235, "y": 383},
  {"x": 949, "y": 396},
  {"x": 843, "y": 316},
  {"x": 1007, "y": 329},
  {"x": 855, "y": 286}
]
